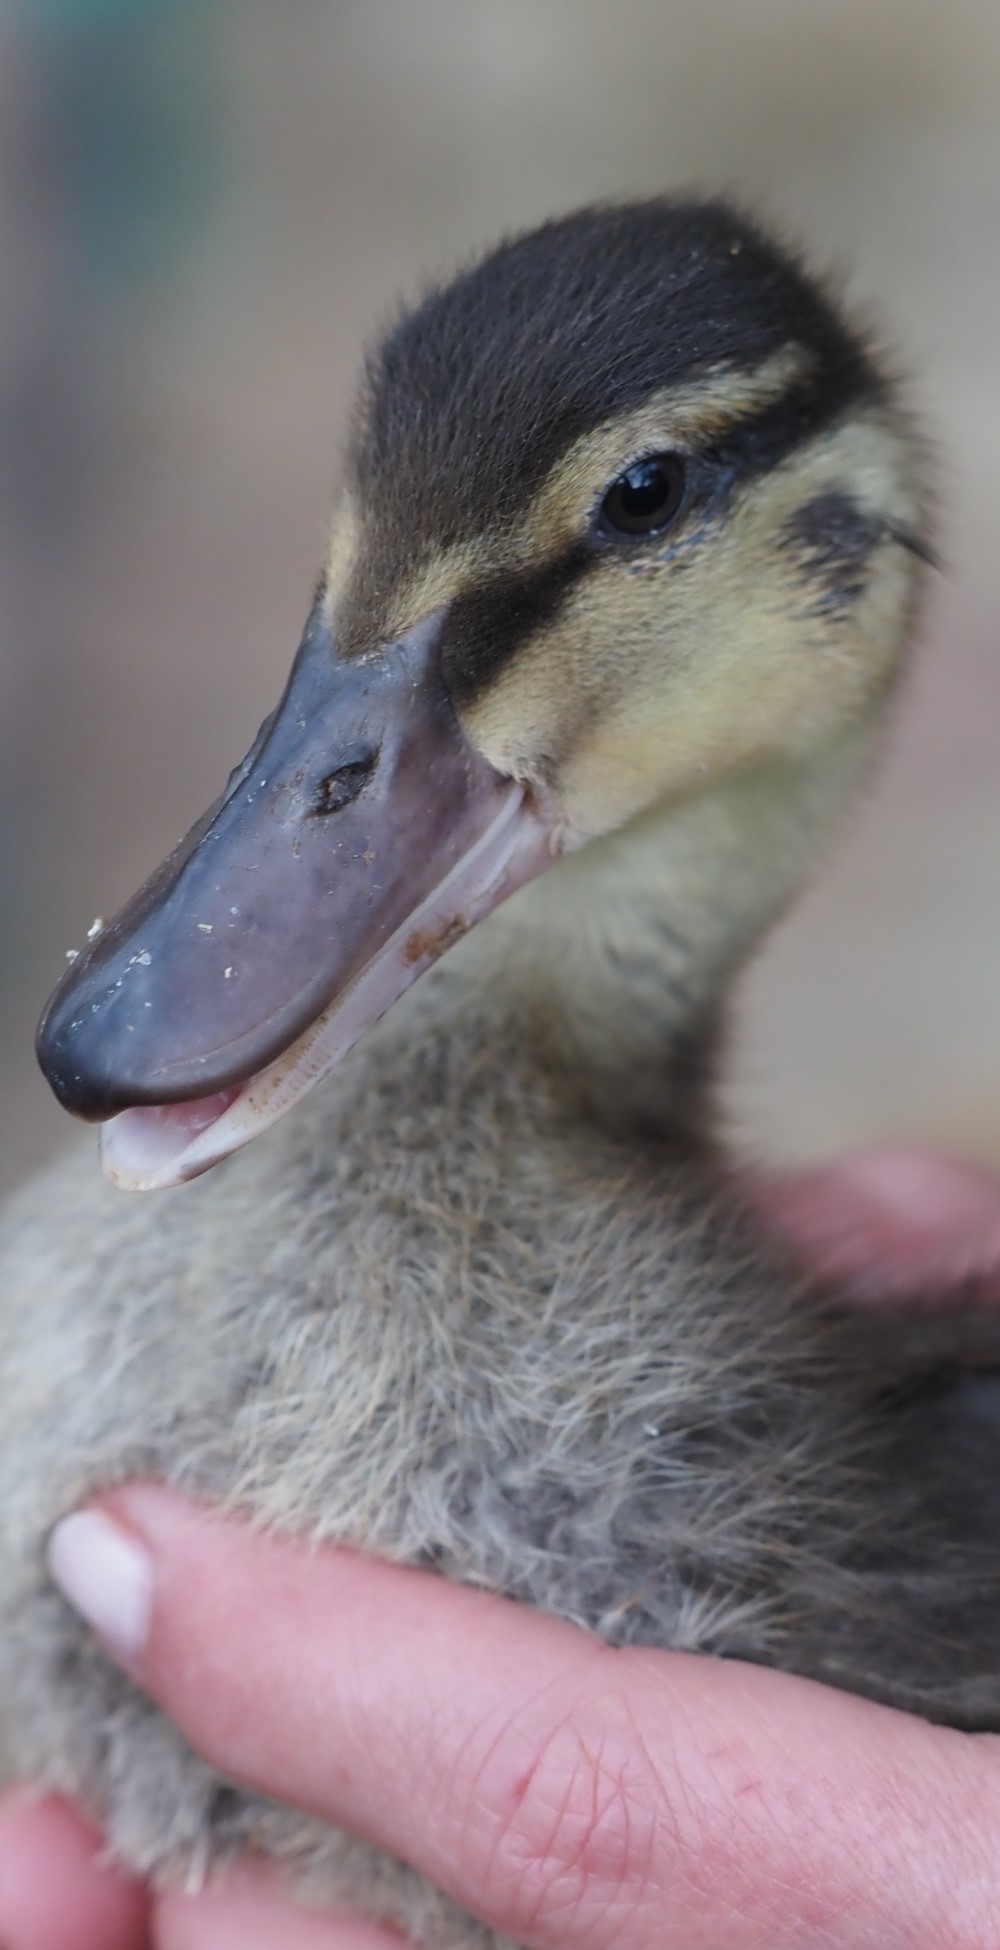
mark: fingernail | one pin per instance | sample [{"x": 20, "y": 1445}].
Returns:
[{"x": 107, "y": 1577}]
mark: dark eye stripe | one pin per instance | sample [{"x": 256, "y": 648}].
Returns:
[
  {"x": 766, "y": 437},
  {"x": 489, "y": 623}
]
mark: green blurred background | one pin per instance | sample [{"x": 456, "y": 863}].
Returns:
[{"x": 203, "y": 209}]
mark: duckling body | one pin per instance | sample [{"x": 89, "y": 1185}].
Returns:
[{"x": 491, "y": 1299}]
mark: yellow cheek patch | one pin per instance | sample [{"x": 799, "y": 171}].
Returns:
[{"x": 647, "y": 686}]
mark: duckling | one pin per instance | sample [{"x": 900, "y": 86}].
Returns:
[{"x": 617, "y": 594}]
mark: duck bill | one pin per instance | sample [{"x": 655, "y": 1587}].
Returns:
[{"x": 362, "y": 835}]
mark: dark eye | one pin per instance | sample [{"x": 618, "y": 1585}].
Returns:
[{"x": 646, "y": 497}]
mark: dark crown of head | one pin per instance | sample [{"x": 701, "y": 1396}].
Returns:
[{"x": 473, "y": 395}]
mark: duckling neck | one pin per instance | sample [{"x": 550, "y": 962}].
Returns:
[{"x": 622, "y": 957}]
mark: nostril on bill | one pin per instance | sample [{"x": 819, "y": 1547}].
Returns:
[{"x": 341, "y": 786}]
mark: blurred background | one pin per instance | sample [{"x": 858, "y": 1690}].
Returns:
[{"x": 204, "y": 208}]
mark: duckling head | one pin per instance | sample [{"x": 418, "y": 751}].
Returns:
[{"x": 629, "y": 513}]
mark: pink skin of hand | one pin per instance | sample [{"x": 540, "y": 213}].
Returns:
[{"x": 570, "y": 1795}]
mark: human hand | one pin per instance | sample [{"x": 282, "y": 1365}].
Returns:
[{"x": 569, "y": 1794}]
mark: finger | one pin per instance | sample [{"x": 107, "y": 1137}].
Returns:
[
  {"x": 892, "y": 1218},
  {"x": 562, "y": 1791},
  {"x": 246, "y": 1911},
  {"x": 56, "y": 1891}
]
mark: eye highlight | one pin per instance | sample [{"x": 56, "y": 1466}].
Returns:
[{"x": 645, "y": 498}]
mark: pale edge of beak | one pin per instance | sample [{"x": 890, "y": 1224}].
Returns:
[{"x": 152, "y": 1148}]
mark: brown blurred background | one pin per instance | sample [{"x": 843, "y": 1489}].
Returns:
[{"x": 203, "y": 208}]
